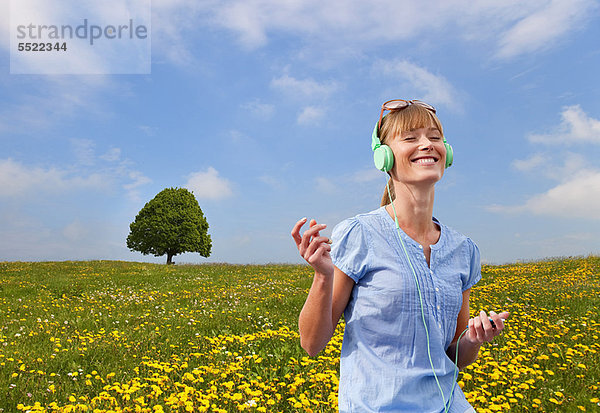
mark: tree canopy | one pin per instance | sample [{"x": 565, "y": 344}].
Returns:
[{"x": 171, "y": 223}]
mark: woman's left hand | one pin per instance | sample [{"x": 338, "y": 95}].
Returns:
[{"x": 481, "y": 329}]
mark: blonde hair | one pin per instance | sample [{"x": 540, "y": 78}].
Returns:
[{"x": 398, "y": 121}]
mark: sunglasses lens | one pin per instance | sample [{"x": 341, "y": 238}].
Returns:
[
  {"x": 395, "y": 104},
  {"x": 425, "y": 105}
]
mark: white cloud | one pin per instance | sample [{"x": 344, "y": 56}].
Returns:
[
  {"x": 261, "y": 110},
  {"x": 209, "y": 185},
  {"x": 421, "y": 83},
  {"x": 244, "y": 18},
  {"x": 574, "y": 164},
  {"x": 17, "y": 179},
  {"x": 433, "y": 89},
  {"x": 310, "y": 115},
  {"x": 544, "y": 27},
  {"x": 304, "y": 88},
  {"x": 530, "y": 163},
  {"x": 79, "y": 58},
  {"x": 558, "y": 166},
  {"x": 273, "y": 182},
  {"x": 174, "y": 25},
  {"x": 240, "y": 139},
  {"x": 88, "y": 173},
  {"x": 40, "y": 103},
  {"x": 137, "y": 179},
  {"x": 369, "y": 175},
  {"x": 309, "y": 91},
  {"x": 112, "y": 155},
  {"x": 84, "y": 151},
  {"x": 578, "y": 197},
  {"x": 27, "y": 237},
  {"x": 510, "y": 27},
  {"x": 575, "y": 127},
  {"x": 345, "y": 21},
  {"x": 577, "y": 191},
  {"x": 325, "y": 185},
  {"x": 52, "y": 100}
]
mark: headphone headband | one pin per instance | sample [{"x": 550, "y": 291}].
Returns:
[{"x": 375, "y": 142}]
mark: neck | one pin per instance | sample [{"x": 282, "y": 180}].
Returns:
[{"x": 414, "y": 208}]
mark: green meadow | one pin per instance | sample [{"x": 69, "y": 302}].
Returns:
[{"x": 106, "y": 336}]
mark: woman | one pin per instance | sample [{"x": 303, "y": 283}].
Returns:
[{"x": 402, "y": 280}]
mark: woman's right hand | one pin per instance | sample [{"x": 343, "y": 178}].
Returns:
[{"x": 313, "y": 247}]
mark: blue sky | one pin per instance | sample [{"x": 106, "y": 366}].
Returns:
[{"x": 265, "y": 110}]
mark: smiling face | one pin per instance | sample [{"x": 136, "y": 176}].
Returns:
[
  {"x": 415, "y": 136},
  {"x": 419, "y": 155}
]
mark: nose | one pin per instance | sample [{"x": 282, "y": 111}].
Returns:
[{"x": 425, "y": 145}]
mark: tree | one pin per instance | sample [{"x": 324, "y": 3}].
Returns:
[{"x": 171, "y": 223}]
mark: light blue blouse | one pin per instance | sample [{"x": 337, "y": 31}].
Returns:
[{"x": 384, "y": 364}]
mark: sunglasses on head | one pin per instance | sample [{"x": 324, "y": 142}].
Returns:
[{"x": 399, "y": 104}]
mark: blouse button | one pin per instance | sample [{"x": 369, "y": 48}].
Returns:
[
  {"x": 437, "y": 289},
  {"x": 420, "y": 246}
]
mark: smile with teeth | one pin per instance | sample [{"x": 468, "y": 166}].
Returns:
[{"x": 425, "y": 161}]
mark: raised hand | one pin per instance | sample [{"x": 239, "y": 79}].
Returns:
[{"x": 313, "y": 247}]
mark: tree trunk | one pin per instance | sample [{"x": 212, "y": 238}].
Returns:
[{"x": 170, "y": 258}]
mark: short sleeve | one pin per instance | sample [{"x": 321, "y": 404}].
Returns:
[
  {"x": 473, "y": 275},
  {"x": 349, "y": 250}
]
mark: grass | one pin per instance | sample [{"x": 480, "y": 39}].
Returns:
[{"x": 120, "y": 336}]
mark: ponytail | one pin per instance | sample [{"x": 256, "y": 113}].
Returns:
[{"x": 385, "y": 199}]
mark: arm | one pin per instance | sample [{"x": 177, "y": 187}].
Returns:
[
  {"x": 329, "y": 293},
  {"x": 322, "y": 310},
  {"x": 480, "y": 331}
]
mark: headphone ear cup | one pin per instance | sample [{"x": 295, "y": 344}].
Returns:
[
  {"x": 384, "y": 158},
  {"x": 449, "y": 154}
]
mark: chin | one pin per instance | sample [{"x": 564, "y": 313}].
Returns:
[{"x": 431, "y": 178}]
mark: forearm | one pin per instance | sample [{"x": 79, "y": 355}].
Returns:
[
  {"x": 467, "y": 352},
  {"x": 315, "y": 322}
]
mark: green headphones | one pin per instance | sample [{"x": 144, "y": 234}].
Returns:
[{"x": 384, "y": 157}]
